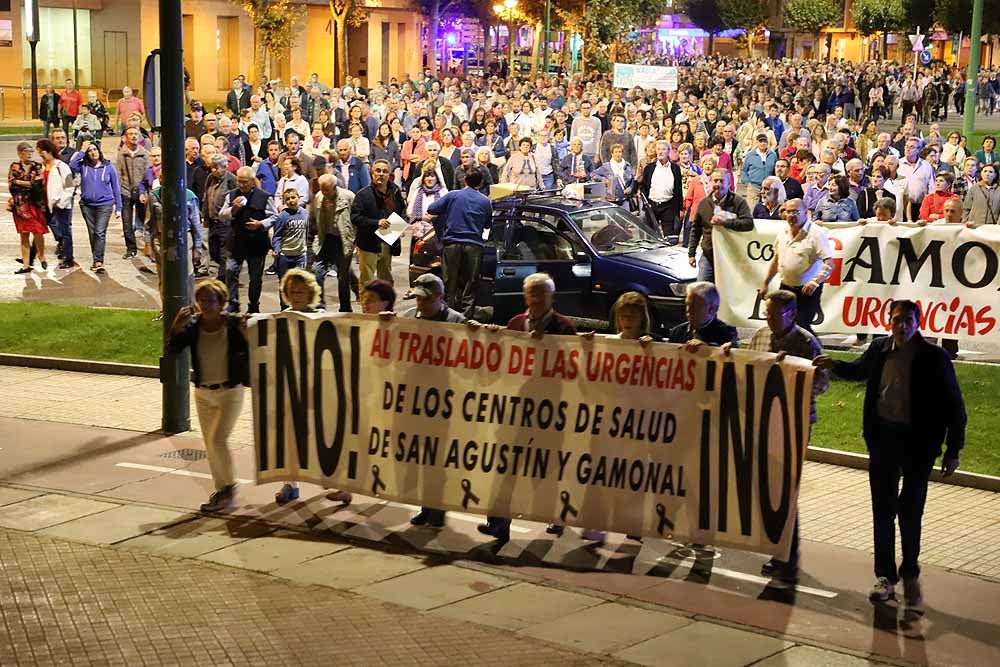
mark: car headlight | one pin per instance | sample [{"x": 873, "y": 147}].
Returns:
[{"x": 678, "y": 289}]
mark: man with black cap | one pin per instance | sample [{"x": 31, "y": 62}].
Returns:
[
  {"x": 429, "y": 290},
  {"x": 194, "y": 126},
  {"x": 758, "y": 164}
]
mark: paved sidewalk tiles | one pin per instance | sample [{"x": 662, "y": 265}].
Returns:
[
  {"x": 198, "y": 536},
  {"x": 434, "y": 587},
  {"x": 49, "y": 510},
  {"x": 808, "y": 656},
  {"x": 69, "y": 603},
  {"x": 520, "y": 606},
  {"x": 115, "y": 525},
  {"x": 351, "y": 568},
  {"x": 703, "y": 643},
  {"x": 267, "y": 553}
]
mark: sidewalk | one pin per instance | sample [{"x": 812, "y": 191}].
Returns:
[{"x": 134, "y": 489}]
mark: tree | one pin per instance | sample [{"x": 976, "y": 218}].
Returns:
[
  {"x": 813, "y": 15},
  {"x": 274, "y": 22},
  {"x": 879, "y": 17},
  {"x": 434, "y": 10},
  {"x": 749, "y": 15},
  {"x": 706, "y": 15},
  {"x": 344, "y": 13},
  {"x": 610, "y": 26},
  {"x": 956, "y": 16}
]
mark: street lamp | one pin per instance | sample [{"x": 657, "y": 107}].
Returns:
[
  {"x": 506, "y": 9},
  {"x": 31, "y": 33}
]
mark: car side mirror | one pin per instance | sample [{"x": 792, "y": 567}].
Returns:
[{"x": 582, "y": 258}]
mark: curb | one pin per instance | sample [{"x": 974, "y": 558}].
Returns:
[
  {"x": 815, "y": 454},
  {"x": 79, "y": 365},
  {"x": 860, "y": 461}
]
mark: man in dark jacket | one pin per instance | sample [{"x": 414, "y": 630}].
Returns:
[
  {"x": 539, "y": 319},
  {"x": 912, "y": 404},
  {"x": 246, "y": 208},
  {"x": 733, "y": 213},
  {"x": 701, "y": 304},
  {"x": 370, "y": 213},
  {"x": 660, "y": 184}
]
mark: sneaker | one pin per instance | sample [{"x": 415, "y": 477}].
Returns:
[
  {"x": 882, "y": 591},
  {"x": 66, "y": 265},
  {"x": 287, "y": 494},
  {"x": 344, "y": 497},
  {"x": 593, "y": 535},
  {"x": 271, "y": 271},
  {"x": 554, "y": 529},
  {"x": 913, "y": 594},
  {"x": 129, "y": 254},
  {"x": 222, "y": 500},
  {"x": 498, "y": 530}
]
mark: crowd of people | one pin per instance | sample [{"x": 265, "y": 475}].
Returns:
[{"x": 314, "y": 176}]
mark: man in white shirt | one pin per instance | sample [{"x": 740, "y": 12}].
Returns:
[
  {"x": 803, "y": 259},
  {"x": 919, "y": 175},
  {"x": 661, "y": 184},
  {"x": 260, "y": 118}
]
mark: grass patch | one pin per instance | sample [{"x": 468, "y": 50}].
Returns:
[
  {"x": 20, "y": 129},
  {"x": 839, "y": 411},
  {"x": 79, "y": 332}
]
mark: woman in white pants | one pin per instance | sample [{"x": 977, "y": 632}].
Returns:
[{"x": 220, "y": 357}]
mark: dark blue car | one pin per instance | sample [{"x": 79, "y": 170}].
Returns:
[{"x": 594, "y": 250}]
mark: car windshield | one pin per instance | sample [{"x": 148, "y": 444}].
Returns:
[{"x": 613, "y": 230}]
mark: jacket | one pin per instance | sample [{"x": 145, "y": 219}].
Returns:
[
  {"x": 60, "y": 187},
  {"x": 216, "y": 189},
  {"x": 937, "y": 411},
  {"x": 701, "y": 227},
  {"x": 358, "y": 174},
  {"x": 98, "y": 185},
  {"x": 339, "y": 224},
  {"x": 131, "y": 168},
  {"x": 756, "y": 168},
  {"x": 559, "y": 325},
  {"x": 619, "y": 189},
  {"x": 715, "y": 333},
  {"x": 368, "y": 208},
  {"x": 48, "y": 108},
  {"x": 564, "y": 172},
  {"x": 523, "y": 171},
  {"x": 646, "y": 181},
  {"x": 237, "y": 350},
  {"x": 248, "y": 242},
  {"x": 982, "y": 205}
]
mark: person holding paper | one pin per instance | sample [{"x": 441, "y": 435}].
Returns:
[
  {"x": 459, "y": 219},
  {"x": 370, "y": 213}
]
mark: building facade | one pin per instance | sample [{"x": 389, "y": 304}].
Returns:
[{"x": 113, "y": 38}]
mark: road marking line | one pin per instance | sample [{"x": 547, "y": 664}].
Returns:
[
  {"x": 173, "y": 471},
  {"x": 752, "y": 578}
]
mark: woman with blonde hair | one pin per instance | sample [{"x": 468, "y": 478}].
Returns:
[{"x": 220, "y": 358}]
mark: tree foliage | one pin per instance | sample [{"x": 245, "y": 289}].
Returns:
[
  {"x": 275, "y": 22},
  {"x": 749, "y": 15},
  {"x": 919, "y": 13},
  {"x": 878, "y": 16},
  {"x": 956, "y": 16},
  {"x": 610, "y": 26},
  {"x": 705, "y": 14},
  {"x": 345, "y": 13},
  {"x": 813, "y": 15}
]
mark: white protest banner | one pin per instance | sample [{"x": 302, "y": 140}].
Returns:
[
  {"x": 598, "y": 433},
  {"x": 627, "y": 75},
  {"x": 950, "y": 270}
]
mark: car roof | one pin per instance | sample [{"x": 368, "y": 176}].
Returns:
[{"x": 561, "y": 204}]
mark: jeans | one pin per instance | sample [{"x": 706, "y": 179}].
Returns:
[
  {"x": 892, "y": 456},
  {"x": 60, "y": 222},
  {"x": 549, "y": 180},
  {"x": 460, "y": 264},
  {"x": 807, "y": 306},
  {"x": 283, "y": 263},
  {"x": 218, "y": 245},
  {"x": 706, "y": 270},
  {"x": 97, "y": 218},
  {"x": 255, "y": 271},
  {"x": 67, "y": 121},
  {"x": 133, "y": 213},
  {"x": 331, "y": 255}
]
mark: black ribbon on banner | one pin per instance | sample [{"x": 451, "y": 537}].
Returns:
[
  {"x": 665, "y": 523},
  {"x": 377, "y": 483},
  {"x": 469, "y": 495},
  {"x": 567, "y": 508}
]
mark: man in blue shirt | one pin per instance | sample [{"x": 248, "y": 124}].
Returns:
[
  {"x": 459, "y": 219},
  {"x": 757, "y": 165}
]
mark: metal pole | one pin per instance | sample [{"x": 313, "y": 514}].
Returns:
[
  {"x": 972, "y": 73},
  {"x": 174, "y": 368},
  {"x": 548, "y": 27},
  {"x": 510, "y": 38},
  {"x": 34, "y": 82},
  {"x": 76, "y": 55}
]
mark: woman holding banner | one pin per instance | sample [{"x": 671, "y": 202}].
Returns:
[{"x": 220, "y": 357}]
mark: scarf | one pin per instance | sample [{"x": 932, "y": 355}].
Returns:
[{"x": 418, "y": 201}]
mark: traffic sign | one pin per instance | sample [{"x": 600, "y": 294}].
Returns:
[
  {"x": 917, "y": 41},
  {"x": 925, "y": 56}
]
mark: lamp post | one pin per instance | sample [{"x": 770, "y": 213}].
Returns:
[
  {"x": 31, "y": 33},
  {"x": 506, "y": 10}
]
